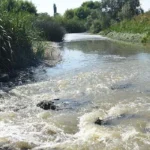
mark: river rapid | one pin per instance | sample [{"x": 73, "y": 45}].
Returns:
[{"x": 97, "y": 78}]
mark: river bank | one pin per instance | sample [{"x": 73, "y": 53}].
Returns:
[
  {"x": 127, "y": 37},
  {"x": 52, "y": 56}
]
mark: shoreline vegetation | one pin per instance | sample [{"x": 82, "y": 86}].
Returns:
[
  {"x": 24, "y": 36},
  {"x": 136, "y": 30},
  {"x": 135, "y": 38},
  {"x": 119, "y": 20}
]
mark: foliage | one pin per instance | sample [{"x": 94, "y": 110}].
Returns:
[
  {"x": 51, "y": 30},
  {"x": 75, "y": 20},
  {"x": 18, "y": 32},
  {"x": 111, "y": 12},
  {"x": 69, "y": 14},
  {"x": 139, "y": 24},
  {"x": 91, "y": 5},
  {"x": 82, "y": 12},
  {"x": 97, "y": 16},
  {"x": 16, "y": 25},
  {"x": 5, "y": 48},
  {"x": 74, "y": 26},
  {"x": 19, "y": 28},
  {"x": 55, "y": 9},
  {"x": 18, "y": 6},
  {"x": 96, "y": 26}
]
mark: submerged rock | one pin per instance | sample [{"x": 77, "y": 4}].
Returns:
[
  {"x": 57, "y": 99},
  {"x": 121, "y": 86},
  {"x": 47, "y": 105},
  {"x": 114, "y": 120},
  {"x": 98, "y": 121}
]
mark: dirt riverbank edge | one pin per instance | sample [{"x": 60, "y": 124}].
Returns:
[{"x": 52, "y": 56}]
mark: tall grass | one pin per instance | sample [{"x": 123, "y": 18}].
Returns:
[
  {"x": 19, "y": 28},
  {"x": 5, "y": 49},
  {"x": 138, "y": 24},
  {"x": 18, "y": 32}
]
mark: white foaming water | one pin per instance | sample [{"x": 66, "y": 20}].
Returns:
[{"x": 110, "y": 85}]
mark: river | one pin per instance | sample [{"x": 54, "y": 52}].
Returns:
[{"x": 97, "y": 78}]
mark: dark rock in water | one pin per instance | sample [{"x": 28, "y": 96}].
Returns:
[
  {"x": 99, "y": 121},
  {"x": 121, "y": 86},
  {"x": 4, "y": 78},
  {"x": 114, "y": 120},
  {"x": 47, "y": 105},
  {"x": 57, "y": 99}
]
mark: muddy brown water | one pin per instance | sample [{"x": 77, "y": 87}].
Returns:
[{"x": 97, "y": 78}]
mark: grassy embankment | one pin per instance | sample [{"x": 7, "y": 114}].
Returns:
[
  {"x": 20, "y": 28},
  {"x": 135, "y": 30}
]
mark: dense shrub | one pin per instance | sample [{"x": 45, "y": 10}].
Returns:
[
  {"x": 5, "y": 49},
  {"x": 74, "y": 26},
  {"x": 51, "y": 31},
  {"x": 96, "y": 26},
  {"x": 18, "y": 6},
  {"x": 139, "y": 24},
  {"x": 20, "y": 28}
]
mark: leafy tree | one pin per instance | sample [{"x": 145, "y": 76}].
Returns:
[
  {"x": 96, "y": 26},
  {"x": 74, "y": 26},
  {"x": 95, "y": 14},
  {"x": 18, "y": 6},
  {"x": 91, "y": 5},
  {"x": 89, "y": 22},
  {"x": 69, "y": 14},
  {"x": 55, "y": 9},
  {"x": 125, "y": 12},
  {"x": 105, "y": 20},
  {"x": 27, "y": 6},
  {"x": 43, "y": 16},
  {"x": 82, "y": 12},
  {"x": 114, "y": 7},
  {"x": 134, "y": 7}
]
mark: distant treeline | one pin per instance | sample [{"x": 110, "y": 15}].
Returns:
[{"x": 97, "y": 16}]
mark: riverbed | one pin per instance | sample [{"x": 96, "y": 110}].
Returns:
[{"x": 97, "y": 79}]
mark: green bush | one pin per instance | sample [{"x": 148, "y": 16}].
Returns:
[
  {"x": 51, "y": 31},
  {"x": 17, "y": 35},
  {"x": 146, "y": 38},
  {"x": 20, "y": 28},
  {"x": 5, "y": 49},
  {"x": 74, "y": 26},
  {"x": 96, "y": 26}
]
